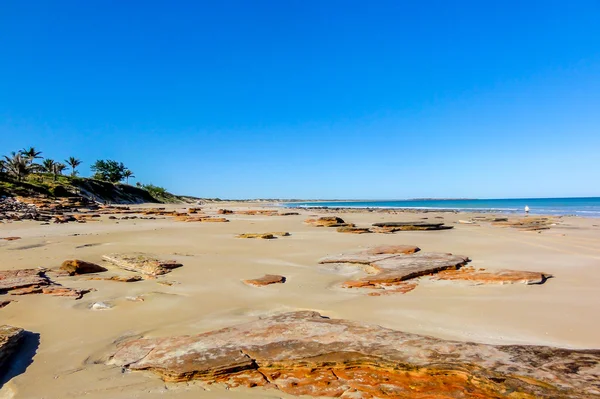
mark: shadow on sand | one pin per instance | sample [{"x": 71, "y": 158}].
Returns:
[{"x": 22, "y": 358}]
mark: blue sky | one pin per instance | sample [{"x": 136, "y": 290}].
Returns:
[{"x": 312, "y": 99}]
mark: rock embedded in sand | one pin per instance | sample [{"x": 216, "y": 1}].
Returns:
[
  {"x": 353, "y": 230},
  {"x": 224, "y": 212},
  {"x": 481, "y": 276},
  {"x": 10, "y": 238},
  {"x": 304, "y": 353},
  {"x": 393, "y": 270},
  {"x": 76, "y": 266},
  {"x": 10, "y": 341},
  {"x": 100, "y": 306},
  {"x": 121, "y": 279},
  {"x": 264, "y": 236},
  {"x": 370, "y": 255},
  {"x": 59, "y": 290},
  {"x": 267, "y": 236},
  {"x": 4, "y": 303},
  {"x": 327, "y": 221},
  {"x": 22, "y": 278},
  {"x": 390, "y": 227},
  {"x": 267, "y": 279},
  {"x": 527, "y": 223},
  {"x": 142, "y": 263}
]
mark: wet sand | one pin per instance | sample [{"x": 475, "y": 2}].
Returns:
[{"x": 208, "y": 293}]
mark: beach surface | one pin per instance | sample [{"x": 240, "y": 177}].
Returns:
[{"x": 70, "y": 341}]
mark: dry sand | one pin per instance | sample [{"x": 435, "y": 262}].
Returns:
[{"x": 208, "y": 292}]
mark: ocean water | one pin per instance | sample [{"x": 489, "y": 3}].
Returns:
[{"x": 587, "y": 207}]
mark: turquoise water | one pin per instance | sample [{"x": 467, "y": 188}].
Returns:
[{"x": 588, "y": 207}]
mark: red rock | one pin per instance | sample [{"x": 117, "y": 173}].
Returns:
[
  {"x": 22, "y": 278},
  {"x": 267, "y": 279},
  {"x": 76, "y": 266},
  {"x": 303, "y": 353},
  {"x": 10, "y": 238},
  {"x": 224, "y": 211},
  {"x": 4, "y": 303}
]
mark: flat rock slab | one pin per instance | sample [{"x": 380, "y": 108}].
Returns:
[
  {"x": 121, "y": 279},
  {"x": 390, "y": 227},
  {"x": 264, "y": 236},
  {"x": 304, "y": 353},
  {"x": 371, "y": 255},
  {"x": 527, "y": 223},
  {"x": 267, "y": 279},
  {"x": 353, "y": 230},
  {"x": 10, "y": 340},
  {"x": 503, "y": 276},
  {"x": 142, "y": 263},
  {"x": 16, "y": 279},
  {"x": 399, "y": 268}
]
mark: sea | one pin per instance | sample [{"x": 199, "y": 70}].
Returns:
[{"x": 586, "y": 206}]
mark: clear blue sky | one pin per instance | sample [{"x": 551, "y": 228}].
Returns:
[{"x": 312, "y": 99}]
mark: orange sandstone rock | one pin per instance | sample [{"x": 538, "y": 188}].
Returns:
[
  {"x": 304, "y": 353},
  {"x": 267, "y": 279}
]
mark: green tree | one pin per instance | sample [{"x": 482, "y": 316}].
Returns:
[
  {"x": 127, "y": 174},
  {"x": 108, "y": 170},
  {"x": 73, "y": 163},
  {"x": 30, "y": 154},
  {"x": 48, "y": 165},
  {"x": 17, "y": 166}
]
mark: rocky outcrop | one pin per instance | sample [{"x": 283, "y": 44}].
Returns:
[
  {"x": 368, "y": 256},
  {"x": 527, "y": 223},
  {"x": 391, "y": 227},
  {"x": 76, "y": 266},
  {"x": 353, "y": 230},
  {"x": 502, "y": 276},
  {"x": 266, "y": 236},
  {"x": 392, "y": 271},
  {"x": 22, "y": 278},
  {"x": 304, "y": 353},
  {"x": 389, "y": 267},
  {"x": 327, "y": 221},
  {"x": 121, "y": 279},
  {"x": 142, "y": 263},
  {"x": 10, "y": 340},
  {"x": 10, "y": 238},
  {"x": 225, "y": 212},
  {"x": 34, "y": 281},
  {"x": 267, "y": 279}
]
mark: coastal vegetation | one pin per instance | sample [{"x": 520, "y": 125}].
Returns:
[{"x": 28, "y": 173}]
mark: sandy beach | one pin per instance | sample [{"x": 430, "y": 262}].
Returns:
[{"x": 207, "y": 293}]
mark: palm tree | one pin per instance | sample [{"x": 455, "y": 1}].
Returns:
[
  {"x": 2, "y": 166},
  {"x": 58, "y": 168},
  {"x": 48, "y": 165},
  {"x": 17, "y": 166},
  {"x": 73, "y": 163},
  {"x": 127, "y": 174},
  {"x": 31, "y": 154}
]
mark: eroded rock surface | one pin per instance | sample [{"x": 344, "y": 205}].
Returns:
[
  {"x": 327, "y": 221},
  {"x": 390, "y": 227},
  {"x": 22, "y": 278},
  {"x": 267, "y": 279},
  {"x": 304, "y": 353},
  {"x": 353, "y": 230},
  {"x": 503, "y": 276},
  {"x": 10, "y": 339},
  {"x": 265, "y": 236},
  {"x": 389, "y": 267},
  {"x": 527, "y": 223},
  {"x": 142, "y": 263}
]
